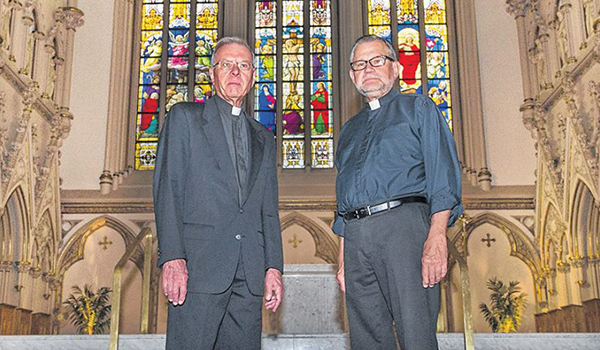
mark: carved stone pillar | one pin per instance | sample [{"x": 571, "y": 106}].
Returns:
[
  {"x": 72, "y": 18},
  {"x": 564, "y": 32}
]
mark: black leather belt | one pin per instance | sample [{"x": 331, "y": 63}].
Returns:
[{"x": 378, "y": 208}]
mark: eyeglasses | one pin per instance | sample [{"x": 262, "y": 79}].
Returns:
[
  {"x": 376, "y": 61},
  {"x": 228, "y": 65}
]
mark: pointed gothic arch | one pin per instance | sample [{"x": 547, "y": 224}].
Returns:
[
  {"x": 521, "y": 245},
  {"x": 326, "y": 246},
  {"x": 73, "y": 250},
  {"x": 18, "y": 223}
]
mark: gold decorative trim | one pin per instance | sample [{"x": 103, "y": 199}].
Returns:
[{"x": 85, "y": 207}]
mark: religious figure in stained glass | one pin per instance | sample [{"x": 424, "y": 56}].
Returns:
[
  {"x": 299, "y": 69},
  {"x": 293, "y": 64},
  {"x": 409, "y": 59},
  {"x": 152, "y": 20},
  {"x": 149, "y": 123},
  {"x": 266, "y": 108},
  {"x": 320, "y": 102},
  {"x": 379, "y": 14},
  {"x": 424, "y": 65},
  {"x": 207, "y": 18},
  {"x": 292, "y": 120},
  {"x": 266, "y": 14},
  {"x": 266, "y": 71}
]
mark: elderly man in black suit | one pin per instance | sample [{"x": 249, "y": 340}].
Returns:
[{"x": 216, "y": 206}]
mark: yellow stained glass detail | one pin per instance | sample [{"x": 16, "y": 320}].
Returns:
[{"x": 379, "y": 12}]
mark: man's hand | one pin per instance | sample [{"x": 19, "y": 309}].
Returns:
[
  {"x": 174, "y": 280},
  {"x": 435, "y": 251},
  {"x": 273, "y": 289},
  {"x": 340, "y": 278}
]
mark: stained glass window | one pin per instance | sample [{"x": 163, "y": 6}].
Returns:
[
  {"x": 422, "y": 42},
  {"x": 303, "y": 115},
  {"x": 168, "y": 30}
]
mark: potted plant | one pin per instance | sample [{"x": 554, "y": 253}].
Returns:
[
  {"x": 507, "y": 303},
  {"x": 89, "y": 311}
]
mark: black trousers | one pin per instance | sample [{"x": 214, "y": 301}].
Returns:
[
  {"x": 382, "y": 264},
  {"x": 230, "y": 320}
]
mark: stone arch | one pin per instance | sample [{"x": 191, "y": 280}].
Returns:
[
  {"x": 327, "y": 247},
  {"x": 73, "y": 250},
  {"x": 552, "y": 228},
  {"x": 43, "y": 249},
  {"x": 583, "y": 219},
  {"x": 521, "y": 245},
  {"x": 18, "y": 223}
]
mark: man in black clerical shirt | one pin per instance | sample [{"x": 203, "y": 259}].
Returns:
[{"x": 398, "y": 189}]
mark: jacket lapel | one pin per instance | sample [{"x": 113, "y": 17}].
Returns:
[
  {"x": 213, "y": 130},
  {"x": 256, "y": 156}
]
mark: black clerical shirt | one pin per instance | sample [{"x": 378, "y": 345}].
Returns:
[{"x": 402, "y": 148}]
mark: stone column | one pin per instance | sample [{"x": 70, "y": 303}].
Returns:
[{"x": 72, "y": 18}]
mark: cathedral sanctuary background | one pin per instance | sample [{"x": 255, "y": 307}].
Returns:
[{"x": 85, "y": 86}]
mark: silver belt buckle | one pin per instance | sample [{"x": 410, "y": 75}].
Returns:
[{"x": 369, "y": 210}]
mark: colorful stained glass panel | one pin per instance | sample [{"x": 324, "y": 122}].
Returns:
[
  {"x": 293, "y": 154},
  {"x": 151, "y": 44},
  {"x": 381, "y": 31},
  {"x": 293, "y": 123},
  {"x": 176, "y": 93},
  {"x": 152, "y": 17},
  {"x": 265, "y": 14},
  {"x": 436, "y": 37},
  {"x": 321, "y": 66},
  {"x": 293, "y": 67},
  {"x": 265, "y": 105},
  {"x": 177, "y": 72},
  {"x": 293, "y": 13},
  {"x": 320, "y": 39},
  {"x": 202, "y": 92},
  {"x": 150, "y": 70},
  {"x": 437, "y": 65},
  {"x": 435, "y": 11},
  {"x": 265, "y": 68},
  {"x": 145, "y": 155},
  {"x": 320, "y": 13},
  {"x": 439, "y": 92},
  {"x": 179, "y": 15},
  {"x": 206, "y": 16},
  {"x": 322, "y": 153},
  {"x": 379, "y": 12},
  {"x": 407, "y": 11}
]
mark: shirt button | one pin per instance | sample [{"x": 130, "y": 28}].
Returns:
[
  {"x": 241, "y": 211},
  {"x": 238, "y": 237}
]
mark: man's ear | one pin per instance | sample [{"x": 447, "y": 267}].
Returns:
[
  {"x": 396, "y": 68},
  {"x": 351, "y": 72}
]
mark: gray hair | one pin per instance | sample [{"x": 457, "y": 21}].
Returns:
[
  {"x": 371, "y": 38},
  {"x": 230, "y": 40}
]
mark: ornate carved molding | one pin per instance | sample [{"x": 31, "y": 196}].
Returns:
[
  {"x": 71, "y": 17},
  {"x": 517, "y": 8}
]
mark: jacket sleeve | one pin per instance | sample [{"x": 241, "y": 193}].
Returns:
[
  {"x": 168, "y": 184},
  {"x": 270, "y": 213},
  {"x": 442, "y": 169}
]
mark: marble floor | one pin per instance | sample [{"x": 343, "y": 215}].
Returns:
[{"x": 447, "y": 341}]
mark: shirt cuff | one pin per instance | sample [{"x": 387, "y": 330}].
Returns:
[
  {"x": 338, "y": 225},
  {"x": 447, "y": 202}
]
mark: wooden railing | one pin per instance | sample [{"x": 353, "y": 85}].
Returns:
[{"x": 145, "y": 237}]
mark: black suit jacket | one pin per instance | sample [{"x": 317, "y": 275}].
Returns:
[{"x": 198, "y": 215}]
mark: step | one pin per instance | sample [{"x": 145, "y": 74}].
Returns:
[{"x": 447, "y": 341}]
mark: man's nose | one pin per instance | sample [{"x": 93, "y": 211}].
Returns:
[
  {"x": 235, "y": 70},
  {"x": 369, "y": 67}
]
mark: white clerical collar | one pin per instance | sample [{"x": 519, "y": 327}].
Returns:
[
  {"x": 236, "y": 110},
  {"x": 374, "y": 104}
]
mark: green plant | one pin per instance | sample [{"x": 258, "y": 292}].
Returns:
[
  {"x": 506, "y": 306},
  {"x": 89, "y": 311}
]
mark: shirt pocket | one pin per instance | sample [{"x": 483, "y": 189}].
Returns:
[{"x": 397, "y": 145}]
